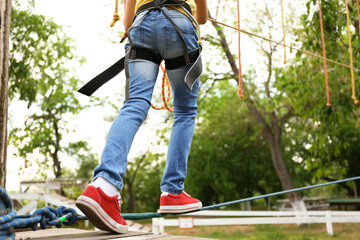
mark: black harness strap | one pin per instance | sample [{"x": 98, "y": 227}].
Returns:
[
  {"x": 194, "y": 72},
  {"x": 141, "y": 53},
  {"x": 94, "y": 84},
  {"x": 136, "y": 52},
  {"x": 179, "y": 62}
]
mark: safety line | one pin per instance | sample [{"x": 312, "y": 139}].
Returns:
[
  {"x": 165, "y": 81},
  {"x": 137, "y": 216},
  {"x": 240, "y": 90},
  {"x": 116, "y": 16},
  {"x": 283, "y": 27},
  {"x": 324, "y": 55},
  {"x": 290, "y": 47},
  {"x": 350, "y": 53},
  {"x": 358, "y": 12},
  {"x": 278, "y": 193}
]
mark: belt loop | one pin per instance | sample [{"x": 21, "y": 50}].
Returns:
[
  {"x": 157, "y": 3},
  {"x": 133, "y": 53}
]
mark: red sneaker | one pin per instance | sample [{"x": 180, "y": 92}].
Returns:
[
  {"x": 102, "y": 211},
  {"x": 180, "y": 203}
]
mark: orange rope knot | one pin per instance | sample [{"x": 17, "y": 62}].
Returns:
[
  {"x": 166, "y": 100},
  {"x": 116, "y": 16}
]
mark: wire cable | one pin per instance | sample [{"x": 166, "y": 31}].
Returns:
[{"x": 290, "y": 47}]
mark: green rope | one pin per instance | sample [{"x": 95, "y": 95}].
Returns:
[{"x": 139, "y": 216}]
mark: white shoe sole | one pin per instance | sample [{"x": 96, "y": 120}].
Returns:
[
  {"x": 98, "y": 217},
  {"x": 181, "y": 208}
]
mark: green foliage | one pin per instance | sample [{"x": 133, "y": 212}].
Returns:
[
  {"x": 142, "y": 183},
  {"x": 327, "y": 139},
  {"x": 229, "y": 159},
  {"x": 342, "y": 231},
  {"x": 87, "y": 161},
  {"x": 41, "y": 54},
  {"x": 40, "y": 50}
]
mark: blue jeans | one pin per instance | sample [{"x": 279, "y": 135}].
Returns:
[{"x": 156, "y": 32}]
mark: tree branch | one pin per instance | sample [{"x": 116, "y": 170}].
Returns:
[{"x": 225, "y": 47}]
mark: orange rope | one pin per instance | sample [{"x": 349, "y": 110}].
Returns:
[
  {"x": 165, "y": 80},
  {"x": 283, "y": 27},
  {"x": 116, "y": 16},
  {"x": 324, "y": 55},
  {"x": 350, "y": 53},
  {"x": 358, "y": 12},
  {"x": 288, "y": 46},
  {"x": 240, "y": 90}
]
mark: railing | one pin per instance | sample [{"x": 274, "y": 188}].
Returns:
[
  {"x": 259, "y": 217},
  {"x": 50, "y": 199}
]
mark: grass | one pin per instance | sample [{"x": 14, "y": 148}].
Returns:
[{"x": 342, "y": 231}]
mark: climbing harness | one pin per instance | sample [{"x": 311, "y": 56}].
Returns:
[
  {"x": 113, "y": 70},
  {"x": 192, "y": 58},
  {"x": 324, "y": 55}
]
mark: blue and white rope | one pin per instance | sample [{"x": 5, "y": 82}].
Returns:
[{"x": 47, "y": 216}]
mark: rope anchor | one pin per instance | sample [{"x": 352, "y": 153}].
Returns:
[{"x": 47, "y": 216}]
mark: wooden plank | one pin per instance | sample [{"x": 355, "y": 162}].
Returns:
[
  {"x": 78, "y": 234},
  {"x": 184, "y": 238},
  {"x": 72, "y": 234},
  {"x": 164, "y": 237}
]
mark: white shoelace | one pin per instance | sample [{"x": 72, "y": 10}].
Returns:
[{"x": 166, "y": 193}]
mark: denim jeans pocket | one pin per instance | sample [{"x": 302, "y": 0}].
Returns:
[
  {"x": 137, "y": 35},
  {"x": 174, "y": 44}
]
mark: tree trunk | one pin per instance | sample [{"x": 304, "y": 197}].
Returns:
[
  {"x": 131, "y": 198},
  {"x": 55, "y": 154},
  {"x": 274, "y": 143},
  {"x": 272, "y": 134},
  {"x": 5, "y": 17}
]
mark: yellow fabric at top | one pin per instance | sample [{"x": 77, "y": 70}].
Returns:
[{"x": 190, "y": 2}]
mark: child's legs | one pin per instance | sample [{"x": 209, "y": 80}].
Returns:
[
  {"x": 185, "y": 101},
  {"x": 113, "y": 164},
  {"x": 185, "y": 111}
]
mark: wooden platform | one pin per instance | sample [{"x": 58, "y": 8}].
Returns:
[{"x": 74, "y": 234}]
